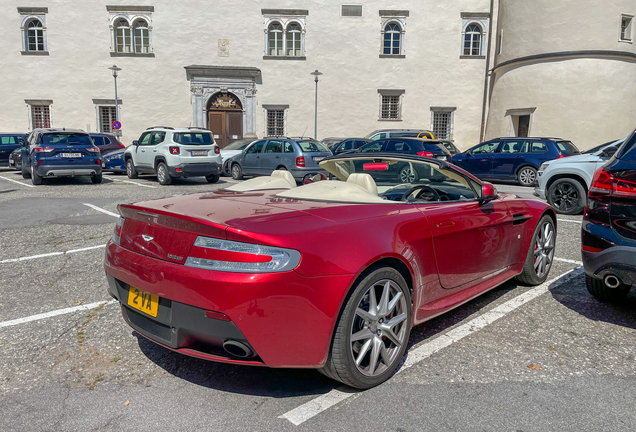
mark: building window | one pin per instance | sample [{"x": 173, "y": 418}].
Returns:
[
  {"x": 390, "y": 104},
  {"x": 472, "y": 40},
  {"x": 392, "y": 33},
  {"x": 39, "y": 114},
  {"x": 275, "y": 37},
  {"x": 33, "y": 26},
  {"x": 442, "y": 122},
  {"x": 275, "y": 122},
  {"x": 284, "y": 34},
  {"x": 107, "y": 115},
  {"x": 131, "y": 31},
  {"x": 626, "y": 28},
  {"x": 351, "y": 11},
  {"x": 122, "y": 36}
]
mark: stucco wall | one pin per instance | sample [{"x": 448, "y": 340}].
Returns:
[{"x": 155, "y": 90}]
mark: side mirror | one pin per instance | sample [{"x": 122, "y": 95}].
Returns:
[
  {"x": 468, "y": 153},
  {"x": 488, "y": 193},
  {"x": 22, "y": 142},
  {"x": 135, "y": 143}
]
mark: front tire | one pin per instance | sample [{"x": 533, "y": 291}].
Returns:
[
  {"x": 408, "y": 174},
  {"x": 130, "y": 169},
  {"x": 163, "y": 176},
  {"x": 567, "y": 196},
  {"x": 540, "y": 253},
  {"x": 213, "y": 178},
  {"x": 237, "y": 172},
  {"x": 226, "y": 171},
  {"x": 602, "y": 292},
  {"x": 526, "y": 176},
  {"x": 373, "y": 331}
]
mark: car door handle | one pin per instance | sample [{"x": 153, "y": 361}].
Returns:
[
  {"x": 446, "y": 224},
  {"x": 518, "y": 157},
  {"x": 143, "y": 151},
  {"x": 155, "y": 150}
]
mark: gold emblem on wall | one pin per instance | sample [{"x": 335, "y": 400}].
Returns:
[
  {"x": 225, "y": 101},
  {"x": 224, "y": 48}
]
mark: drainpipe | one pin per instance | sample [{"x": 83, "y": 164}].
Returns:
[{"x": 485, "y": 100}]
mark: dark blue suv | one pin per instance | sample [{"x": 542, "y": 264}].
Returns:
[
  {"x": 60, "y": 153},
  {"x": 513, "y": 159}
]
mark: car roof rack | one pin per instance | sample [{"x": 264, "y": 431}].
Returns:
[
  {"x": 160, "y": 127},
  {"x": 198, "y": 128}
]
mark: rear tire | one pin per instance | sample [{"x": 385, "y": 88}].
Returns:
[
  {"x": 371, "y": 333},
  {"x": 25, "y": 174},
  {"x": 130, "y": 169},
  {"x": 567, "y": 196},
  {"x": 35, "y": 178},
  {"x": 526, "y": 176},
  {"x": 97, "y": 178},
  {"x": 213, "y": 178},
  {"x": 237, "y": 172},
  {"x": 163, "y": 175},
  {"x": 602, "y": 292},
  {"x": 540, "y": 253}
]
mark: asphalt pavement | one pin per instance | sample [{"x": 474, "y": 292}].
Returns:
[{"x": 547, "y": 358}]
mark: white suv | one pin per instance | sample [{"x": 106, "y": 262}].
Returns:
[
  {"x": 564, "y": 182},
  {"x": 169, "y": 152}
]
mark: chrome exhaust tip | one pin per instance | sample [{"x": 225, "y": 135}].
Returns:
[
  {"x": 237, "y": 349},
  {"x": 612, "y": 281}
]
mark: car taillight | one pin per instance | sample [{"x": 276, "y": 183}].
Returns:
[
  {"x": 174, "y": 150},
  {"x": 623, "y": 188},
  {"x": 217, "y": 150},
  {"x": 93, "y": 149},
  {"x": 119, "y": 228},
  {"x": 300, "y": 161},
  {"x": 121, "y": 145},
  {"x": 561, "y": 156},
  {"x": 425, "y": 154},
  {"x": 230, "y": 256},
  {"x": 44, "y": 149},
  {"x": 601, "y": 183}
]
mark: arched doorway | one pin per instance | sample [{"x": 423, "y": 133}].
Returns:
[{"x": 225, "y": 118}]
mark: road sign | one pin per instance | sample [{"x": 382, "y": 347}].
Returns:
[{"x": 116, "y": 125}]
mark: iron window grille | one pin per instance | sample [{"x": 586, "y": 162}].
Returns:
[
  {"x": 351, "y": 10},
  {"x": 40, "y": 116},
  {"x": 390, "y": 107},
  {"x": 107, "y": 115},
  {"x": 442, "y": 124},
  {"x": 275, "y": 122}
]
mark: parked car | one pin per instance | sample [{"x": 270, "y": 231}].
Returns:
[
  {"x": 59, "y": 152},
  {"x": 113, "y": 161},
  {"x": 399, "y": 133},
  {"x": 330, "y": 142},
  {"x": 608, "y": 233},
  {"x": 564, "y": 182},
  {"x": 232, "y": 150},
  {"x": 328, "y": 275},
  {"x": 15, "y": 159},
  {"x": 349, "y": 144},
  {"x": 298, "y": 156},
  {"x": 106, "y": 142},
  {"x": 450, "y": 146},
  {"x": 8, "y": 143},
  {"x": 598, "y": 147},
  {"x": 171, "y": 153},
  {"x": 513, "y": 159}
]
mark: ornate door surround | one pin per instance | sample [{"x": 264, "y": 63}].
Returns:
[{"x": 206, "y": 81}]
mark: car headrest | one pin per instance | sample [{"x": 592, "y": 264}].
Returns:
[
  {"x": 364, "y": 180},
  {"x": 286, "y": 175}
]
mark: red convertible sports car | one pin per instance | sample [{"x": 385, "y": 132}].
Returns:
[{"x": 329, "y": 275}]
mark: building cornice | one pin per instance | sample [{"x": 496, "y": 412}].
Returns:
[
  {"x": 221, "y": 71},
  {"x": 285, "y": 12},
  {"x": 130, "y": 9},
  {"x": 32, "y": 10},
  {"x": 566, "y": 55}
]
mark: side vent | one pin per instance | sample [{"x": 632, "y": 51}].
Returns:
[{"x": 351, "y": 10}]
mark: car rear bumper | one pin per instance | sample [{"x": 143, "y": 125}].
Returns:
[
  {"x": 619, "y": 261},
  {"x": 287, "y": 319},
  {"x": 300, "y": 172},
  {"x": 194, "y": 169},
  {"x": 68, "y": 170}
]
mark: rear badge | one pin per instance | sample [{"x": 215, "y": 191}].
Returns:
[
  {"x": 148, "y": 238},
  {"x": 174, "y": 257}
]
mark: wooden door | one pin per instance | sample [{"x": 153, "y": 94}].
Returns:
[
  {"x": 234, "y": 126},
  {"x": 216, "y": 123}
]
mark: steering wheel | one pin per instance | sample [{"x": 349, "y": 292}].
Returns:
[{"x": 416, "y": 193}]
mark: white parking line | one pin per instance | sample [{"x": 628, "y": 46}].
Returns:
[
  {"x": 54, "y": 313},
  {"x": 314, "y": 407},
  {"x": 15, "y": 181},
  {"x": 99, "y": 209},
  {"x": 132, "y": 182},
  {"x": 568, "y": 261},
  {"x": 570, "y": 220},
  {"x": 12, "y": 260}
]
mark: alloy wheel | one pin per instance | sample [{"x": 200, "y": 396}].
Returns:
[
  {"x": 379, "y": 328},
  {"x": 544, "y": 249},
  {"x": 565, "y": 197},
  {"x": 129, "y": 168},
  {"x": 407, "y": 175},
  {"x": 161, "y": 174},
  {"x": 527, "y": 176}
]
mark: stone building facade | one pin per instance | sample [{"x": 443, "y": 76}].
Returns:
[{"x": 467, "y": 69}]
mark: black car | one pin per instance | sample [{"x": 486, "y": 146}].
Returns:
[
  {"x": 349, "y": 144},
  {"x": 415, "y": 146},
  {"x": 106, "y": 142},
  {"x": 608, "y": 233},
  {"x": 8, "y": 143}
]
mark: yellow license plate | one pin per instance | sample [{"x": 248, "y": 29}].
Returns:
[{"x": 143, "y": 301}]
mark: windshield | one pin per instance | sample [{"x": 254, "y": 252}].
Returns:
[
  {"x": 66, "y": 139},
  {"x": 238, "y": 145},
  {"x": 309, "y": 146},
  {"x": 193, "y": 138},
  {"x": 404, "y": 179}
]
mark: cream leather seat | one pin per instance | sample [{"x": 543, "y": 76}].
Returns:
[
  {"x": 286, "y": 175},
  {"x": 364, "y": 180}
]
